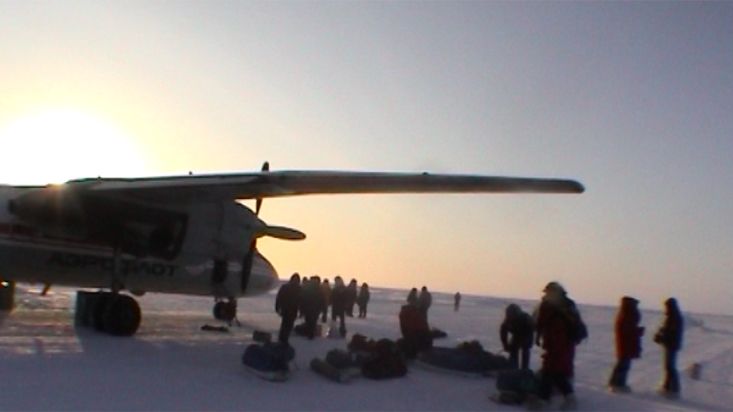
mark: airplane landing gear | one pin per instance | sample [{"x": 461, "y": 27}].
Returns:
[
  {"x": 226, "y": 310},
  {"x": 109, "y": 312},
  {"x": 7, "y": 295}
]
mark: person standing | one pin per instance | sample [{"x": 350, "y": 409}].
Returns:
[
  {"x": 412, "y": 297},
  {"x": 424, "y": 301},
  {"x": 287, "y": 303},
  {"x": 326, "y": 292},
  {"x": 415, "y": 330},
  {"x": 363, "y": 299},
  {"x": 670, "y": 337},
  {"x": 628, "y": 342},
  {"x": 338, "y": 304},
  {"x": 520, "y": 326},
  {"x": 351, "y": 293},
  {"x": 303, "y": 283},
  {"x": 559, "y": 329},
  {"x": 312, "y": 305},
  {"x": 456, "y": 301}
]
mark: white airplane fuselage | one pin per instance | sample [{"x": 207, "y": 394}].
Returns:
[{"x": 204, "y": 249}]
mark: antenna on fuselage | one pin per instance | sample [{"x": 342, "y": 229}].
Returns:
[{"x": 258, "y": 204}]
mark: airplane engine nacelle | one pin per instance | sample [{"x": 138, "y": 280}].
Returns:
[{"x": 219, "y": 230}]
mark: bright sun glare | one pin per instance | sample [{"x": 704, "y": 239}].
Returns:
[{"x": 54, "y": 146}]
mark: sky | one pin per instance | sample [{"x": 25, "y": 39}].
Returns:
[{"x": 633, "y": 99}]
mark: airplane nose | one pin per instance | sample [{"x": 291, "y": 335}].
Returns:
[{"x": 263, "y": 277}]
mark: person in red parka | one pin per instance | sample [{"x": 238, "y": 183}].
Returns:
[
  {"x": 628, "y": 342},
  {"x": 415, "y": 330},
  {"x": 558, "y": 329}
]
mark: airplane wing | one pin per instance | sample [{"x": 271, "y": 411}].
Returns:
[{"x": 296, "y": 183}]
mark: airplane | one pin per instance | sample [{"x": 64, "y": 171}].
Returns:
[{"x": 183, "y": 234}]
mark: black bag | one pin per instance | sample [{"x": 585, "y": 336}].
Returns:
[
  {"x": 580, "y": 331},
  {"x": 515, "y": 385},
  {"x": 359, "y": 343},
  {"x": 270, "y": 357},
  {"x": 436, "y": 333},
  {"x": 578, "y": 328},
  {"x": 387, "y": 362},
  {"x": 301, "y": 329},
  {"x": 339, "y": 359},
  {"x": 262, "y": 337}
]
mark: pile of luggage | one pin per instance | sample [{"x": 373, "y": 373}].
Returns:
[{"x": 373, "y": 359}]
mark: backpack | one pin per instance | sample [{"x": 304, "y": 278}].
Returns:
[
  {"x": 578, "y": 328},
  {"x": 339, "y": 359},
  {"x": 360, "y": 343},
  {"x": 387, "y": 362},
  {"x": 269, "y": 357},
  {"x": 515, "y": 386}
]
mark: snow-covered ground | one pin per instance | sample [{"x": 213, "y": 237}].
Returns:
[{"x": 46, "y": 364}]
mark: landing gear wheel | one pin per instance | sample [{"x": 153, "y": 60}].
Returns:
[
  {"x": 7, "y": 295},
  {"x": 225, "y": 311},
  {"x": 98, "y": 308},
  {"x": 121, "y": 316}
]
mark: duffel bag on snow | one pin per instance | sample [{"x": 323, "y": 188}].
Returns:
[
  {"x": 269, "y": 361},
  {"x": 340, "y": 359},
  {"x": 515, "y": 385},
  {"x": 338, "y": 374},
  {"x": 387, "y": 362},
  {"x": 460, "y": 360}
]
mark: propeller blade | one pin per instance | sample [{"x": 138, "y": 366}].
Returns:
[
  {"x": 258, "y": 205},
  {"x": 281, "y": 232}
]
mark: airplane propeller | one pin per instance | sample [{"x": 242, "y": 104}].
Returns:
[{"x": 279, "y": 232}]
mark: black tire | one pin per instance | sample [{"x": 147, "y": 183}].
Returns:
[
  {"x": 122, "y": 316},
  {"x": 7, "y": 296},
  {"x": 224, "y": 311},
  {"x": 97, "y": 308}
]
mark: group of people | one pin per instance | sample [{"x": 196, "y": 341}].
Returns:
[
  {"x": 628, "y": 344},
  {"x": 558, "y": 328},
  {"x": 422, "y": 301},
  {"x": 311, "y": 298}
]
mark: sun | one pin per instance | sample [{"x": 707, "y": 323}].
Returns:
[{"x": 53, "y": 146}]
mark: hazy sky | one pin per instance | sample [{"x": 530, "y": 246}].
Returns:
[{"x": 634, "y": 99}]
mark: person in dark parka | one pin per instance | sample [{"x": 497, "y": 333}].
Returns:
[
  {"x": 287, "y": 303},
  {"x": 424, "y": 301},
  {"x": 412, "y": 297},
  {"x": 311, "y": 303},
  {"x": 628, "y": 342},
  {"x": 670, "y": 337},
  {"x": 520, "y": 326},
  {"x": 338, "y": 303},
  {"x": 363, "y": 299},
  {"x": 326, "y": 292},
  {"x": 351, "y": 294},
  {"x": 415, "y": 330},
  {"x": 556, "y": 324}
]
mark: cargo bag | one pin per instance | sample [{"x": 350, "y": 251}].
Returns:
[
  {"x": 462, "y": 361},
  {"x": 387, "y": 362},
  {"x": 514, "y": 386},
  {"x": 269, "y": 361}
]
